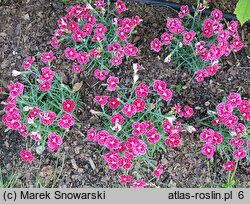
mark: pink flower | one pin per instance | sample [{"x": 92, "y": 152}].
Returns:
[
  {"x": 15, "y": 89},
  {"x": 237, "y": 43},
  {"x": 166, "y": 95},
  {"x": 122, "y": 147},
  {"x": 47, "y": 74},
  {"x": 223, "y": 36},
  {"x": 112, "y": 142},
  {"x": 174, "y": 25},
  {"x": 101, "y": 100},
  {"x": 139, "y": 184},
  {"x": 139, "y": 104},
  {"x": 129, "y": 49},
  {"x": 236, "y": 142},
  {"x": 217, "y": 14},
  {"x": 125, "y": 178},
  {"x": 239, "y": 153},
  {"x": 100, "y": 74},
  {"x": 76, "y": 69},
  {"x": 112, "y": 81},
  {"x": 66, "y": 121},
  {"x": 201, "y": 7},
  {"x": 229, "y": 166},
  {"x": 99, "y": 4},
  {"x": 208, "y": 150},
  {"x": 158, "y": 170},
  {"x": 82, "y": 58},
  {"x": 35, "y": 136},
  {"x": 54, "y": 42},
  {"x": 44, "y": 86},
  {"x": 26, "y": 155},
  {"x": 114, "y": 103},
  {"x": 232, "y": 27},
  {"x": 122, "y": 33},
  {"x": 230, "y": 121},
  {"x": 47, "y": 56},
  {"x": 152, "y": 135},
  {"x": 239, "y": 129},
  {"x": 200, "y": 74},
  {"x": 224, "y": 109},
  {"x": 117, "y": 119},
  {"x": 184, "y": 11},
  {"x": 188, "y": 37},
  {"x": 11, "y": 109},
  {"x": 73, "y": 26},
  {"x": 22, "y": 130},
  {"x": 120, "y": 6},
  {"x": 68, "y": 105},
  {"x": 124, "y": 163},
  {"x": 139, "y": 128},
  {"x": 159, "y": 86},
  {"x": 115, "y": 61},
  {"x": 156, "y": 45},
  {"x": 27, "y": 63},
  {"x": 207, "y": 135},
  {"x": 235, "y": 99},
  {"x": 211, "y": 70},
  {"x": 142, "y": 90},
  {"x": 167, "y": 126},
  {"x": 129, "y": 110},
  {"x": 78, "y": 35},
  {"x": 91, "y": 134},
  {"x": 101, "y": 137},
  {"x": 71, "y": 53},
  {"x": 216, "y": 138},
  {"x": 248, "y": 144},
  {"x": 166, "y": 38},
  {"x": 34, "y": 112},
  {"x": 12, "y": 121},
  {"x": 54, "y": 141},
  {"x": 127, "y": 24},
  {"x": 188, "y": 112},
  {"x": 173, "y": 140},
  {"x": 47, "y": 118},
  {"x": 87, "y": 28}
]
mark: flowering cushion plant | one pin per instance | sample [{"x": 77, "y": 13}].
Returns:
[
  {"x": 228, "y": 133},
  {"x": 40, "y": 107},
  {"x": 198, "y": 44},
  {"x": 134, "y": 127},
  {"x": 95, "y": 37}
]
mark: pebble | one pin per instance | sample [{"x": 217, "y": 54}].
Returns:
[
  {"x": 26, "y": 17},
  {"x": 73, "y": 162}
]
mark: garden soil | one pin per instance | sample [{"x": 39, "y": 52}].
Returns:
[{"x": 26, "y": 28}]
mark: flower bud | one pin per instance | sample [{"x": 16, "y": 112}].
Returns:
[{"x": 16, "y": 73}]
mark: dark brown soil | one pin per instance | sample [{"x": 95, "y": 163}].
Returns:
[{"x": 27, "y": 29}]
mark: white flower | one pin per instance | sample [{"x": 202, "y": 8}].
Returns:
[
  {"x": 191, "y": 129},
  {"x": 30, "y": 120},
  {"x": 167, "y": 59},
  {"x": 136, "y": 77},
  {"x": 117, "y": 127},
  {"x": 171, "y": 119},
  {"x": 16, "y": 73},
  {"x": 27, "y": 108}
]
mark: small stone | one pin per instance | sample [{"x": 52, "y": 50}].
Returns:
[
  {"x": 197, "y": 108},
  {"x": 26, "y": 17},
  {"x": 92, "y": 164},
  {"x": 73, "y": 162},
  {"x": 207, "y": 103}
]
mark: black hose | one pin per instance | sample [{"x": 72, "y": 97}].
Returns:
[{"x": 177, "y": 6}]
